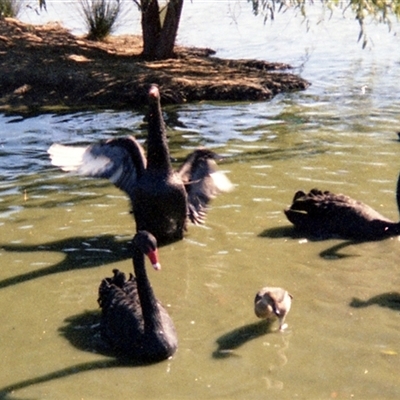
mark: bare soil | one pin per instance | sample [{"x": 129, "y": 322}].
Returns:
[{"x": 46, "y": 68}]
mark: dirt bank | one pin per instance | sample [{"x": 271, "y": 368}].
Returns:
[{"x": 46, "y": 68}]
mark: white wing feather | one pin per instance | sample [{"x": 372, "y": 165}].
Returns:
[
  {"x": 77, "y": 159},
  {"x": 221, "y": 181}
]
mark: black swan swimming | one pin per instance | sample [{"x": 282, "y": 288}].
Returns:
[
  {"x": 271, "y": 303},
  {"x": 162, "y": 199},
  {"x": 325, "y": 214},
  {"x": 133, "y": 322}
]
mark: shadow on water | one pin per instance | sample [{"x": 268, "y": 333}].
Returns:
[
  {"x": 79, "y": 252},
  {"x": 389, "y": 300},
  {"x": 83, "y": 332},
  {"x": 7, "y": 391},
  {"x": 331, "y": 253},
  {"x": 238, "y": 337}
]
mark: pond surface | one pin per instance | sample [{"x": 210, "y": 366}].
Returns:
[{"x": 61, "y": 234}]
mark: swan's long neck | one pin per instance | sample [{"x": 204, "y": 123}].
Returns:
[
  {"x": 398, "y": 193},
  {"x": 157, "y": 147},
  {"x": 148, "y": 301}
]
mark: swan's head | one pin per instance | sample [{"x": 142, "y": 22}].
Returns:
[
  {"x": 147, "y": 244},
  {"x": 154, "y": 92}
]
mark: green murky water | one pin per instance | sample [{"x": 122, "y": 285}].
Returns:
[{"x": 60, "y": 235}]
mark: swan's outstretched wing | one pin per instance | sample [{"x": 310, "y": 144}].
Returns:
[
  {"x": 120, "y": 160},
  {"x": 202, "y": 182}
]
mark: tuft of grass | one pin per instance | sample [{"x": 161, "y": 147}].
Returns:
[
  {"x": 10, "y": 8},
  {"x": 100, "y": 17}
]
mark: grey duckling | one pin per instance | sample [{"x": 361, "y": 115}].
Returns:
[{"x": 271, "y": 303}]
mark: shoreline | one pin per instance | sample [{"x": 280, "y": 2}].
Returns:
[{"x": 47, "y": 69}]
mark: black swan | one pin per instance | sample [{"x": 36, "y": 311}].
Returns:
[
  {"x": 162, "y": 199},
  {"x": 325, "y": 214},
  {"x": 271, "y": 303},
  {"x": 133, "y": 322}
]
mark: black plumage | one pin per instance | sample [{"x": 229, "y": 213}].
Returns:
[
  {"x": 134, "y": 324},
  {"x": 163, "y": 199},
  {"x": 326, "y": 214}
]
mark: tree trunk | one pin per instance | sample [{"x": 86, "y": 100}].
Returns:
[
  {"x": 151, "y": 28},
  {"x": 159, "y": 39},
  {"x": 165, "y": 47}
]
